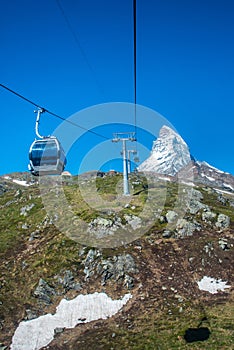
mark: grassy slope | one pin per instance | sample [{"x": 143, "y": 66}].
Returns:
[{"x": 154, "y": 319}]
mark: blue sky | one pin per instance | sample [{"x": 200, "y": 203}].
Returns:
[{"x": 185, "y": 70}]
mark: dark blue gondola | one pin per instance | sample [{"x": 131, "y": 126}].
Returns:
[{"x": 46, "y": 156}]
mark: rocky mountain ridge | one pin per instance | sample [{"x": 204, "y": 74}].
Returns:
[
  {"x": 169, "y": 154},
  {"x": 170, "y": 157}
]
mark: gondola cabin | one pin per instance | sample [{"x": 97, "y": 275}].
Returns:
[{"x": 46, "y": 157}]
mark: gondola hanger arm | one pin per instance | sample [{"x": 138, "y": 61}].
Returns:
[{"x": 39, "y": 111}]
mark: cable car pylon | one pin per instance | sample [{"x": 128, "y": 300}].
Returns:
[{"x": 124, "y": 137}]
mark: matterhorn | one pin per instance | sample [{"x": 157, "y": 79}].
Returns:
[
  {"x": 169, "y": 154},
  {"x": 171, "y": 158}
]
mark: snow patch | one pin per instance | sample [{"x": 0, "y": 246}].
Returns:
[
  {"x": 188, "y": 183},
  {"x": 210, "y": 166},
  {"x": 229, "y": 186},
  {"x": 21, "y": 182},
  {"x": 18, "y": 182},
  {"x": 212, "y": 285},
  {"x": 222, "y": 191},
  {"x": 39, "y": 332},
  {"x": 208, "y": 177}
]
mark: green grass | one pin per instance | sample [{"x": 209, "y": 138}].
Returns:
[{"x": 24, "y": 262}]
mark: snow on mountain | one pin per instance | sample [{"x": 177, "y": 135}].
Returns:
[
  {"x": 206, "y": 174},
  {"x": 209, "y": 166},
  {"x": 169, "y": 154},
  {"x": 69, "y": 313},
  {"x": 22, "y": 179}
]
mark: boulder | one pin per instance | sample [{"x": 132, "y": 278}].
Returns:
[
  {"x": 185, "y": 228},
  {"x": 223, "y": 221},
  {"x": 193, "y": 201},
  {"x": 208, "y": 216},
  {"x": 2, "y": 189},
  {"x": 101, "y": 227},
  {"x": 133, "y": 220},
  {"x": 44, "y": 292},
  {"x": 68, "y": 281},
  {"x": 118, "y": 268},
  {"x": 24, "y": 210},
  {"x": 222, "y": 199},
  {"x": 90, "y": 262}
]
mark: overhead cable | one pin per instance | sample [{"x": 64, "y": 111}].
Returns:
[
  {"x": 77, "y": 41},
  {"x": 135, "y": 68},
  {"x": 51, "y": 113},
  {"x": 135, "y": 55}
]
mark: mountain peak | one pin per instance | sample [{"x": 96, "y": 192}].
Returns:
[
  {"x": 167, "y": 132},
  {"x": 169, "y": 153}
]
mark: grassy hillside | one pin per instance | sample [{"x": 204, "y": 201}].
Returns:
[{"x": 165, "y": 300}]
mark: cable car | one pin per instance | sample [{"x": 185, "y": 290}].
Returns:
[{"x": 46, "y": 155}]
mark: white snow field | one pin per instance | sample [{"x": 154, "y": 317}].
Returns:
[
  {"x": 212, "y": 285},
  {"x": 39, "y": 332}
]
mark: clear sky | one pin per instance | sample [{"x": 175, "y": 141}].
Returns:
[{"x": 72, "y": 60}]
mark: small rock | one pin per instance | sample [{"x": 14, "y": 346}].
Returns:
[
  {"x": 2, "y": 347},
  {"x": 30, "y": 315},
  {"x": 25, "y": 227},
  {"x": 162, "y": 219},
  {"x": 223, "y": 221},
  {"x": 208, "y": 216},
  {"x": 208, "y": 248},
  {"x": 171, "y": 216},
  {"x": 167, "y": 234},
  {"x": 77, "y": 287},
  {"x": 222, "y": 200},
  {"x": 58, "y": 330},
  {"x": 34, "y": 235},
  {"x": 24, "y": 211},
  {"x": 18, "y": 193},
  {"x": 133, "y": 220},
  {"x": 128, "y": 281},
  {"x": 223, "y": 243},
  {"x": 82, "y": 251}
]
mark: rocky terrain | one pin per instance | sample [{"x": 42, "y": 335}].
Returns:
[
  {"x": 170, "y": 157},
  {"x": 179, "y": 272}
]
